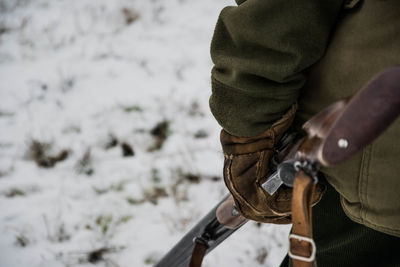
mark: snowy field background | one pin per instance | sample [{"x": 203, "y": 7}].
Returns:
[{"x": 108, "y": 151}]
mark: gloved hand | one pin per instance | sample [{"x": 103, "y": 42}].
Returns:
[{"x": 246, "y": 168}]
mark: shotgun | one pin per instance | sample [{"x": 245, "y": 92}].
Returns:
[
  {"x": 329, "y": 138},
  {"x": 206, "y": 234}
]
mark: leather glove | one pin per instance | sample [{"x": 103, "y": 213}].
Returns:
[{"x": 246, "y": 168}]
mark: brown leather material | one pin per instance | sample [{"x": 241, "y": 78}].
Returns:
[
  {"x": 246, "y": 168},
  {"x": 303, "y": 189},
  {"x": 265, "y": 141},
  {"x": 199, "y": 251}
]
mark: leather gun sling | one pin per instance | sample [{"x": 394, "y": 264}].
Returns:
[
  {"x": 301, "y": 218},
  {"x": 199, "y": 251},
  {"x": 302, "y": 225}
]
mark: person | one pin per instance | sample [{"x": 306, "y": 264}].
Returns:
[{"x": 276, "y": 64}]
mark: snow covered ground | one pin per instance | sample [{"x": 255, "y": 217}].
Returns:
[{"x": 108, "y": 151}]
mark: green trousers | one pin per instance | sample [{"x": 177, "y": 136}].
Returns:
[{"x": 342, "y": 242}]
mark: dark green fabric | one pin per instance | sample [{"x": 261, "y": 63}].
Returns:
[
  {"x": 261, "y": 50},
  {"x": 269, "y": 52},
  {"x": 366, "y": 40},
  {"x": 342, "y": 242}
]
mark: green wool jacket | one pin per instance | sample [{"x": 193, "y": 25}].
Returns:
[{"x": 269, "y": 54}]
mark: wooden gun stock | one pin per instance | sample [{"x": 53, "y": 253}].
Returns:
[
  {"x": 333, "y": 135},
  {"x": 365, "y": 117},
  {"x": 347, "y": 126}
]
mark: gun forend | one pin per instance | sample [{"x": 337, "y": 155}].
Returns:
[{"x": 228, "y": 216}]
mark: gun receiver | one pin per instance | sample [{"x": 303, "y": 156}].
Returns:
[{"x": 332, "y": 136}]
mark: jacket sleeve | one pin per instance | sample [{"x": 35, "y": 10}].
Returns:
[{"x": 261, "y": 50}]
